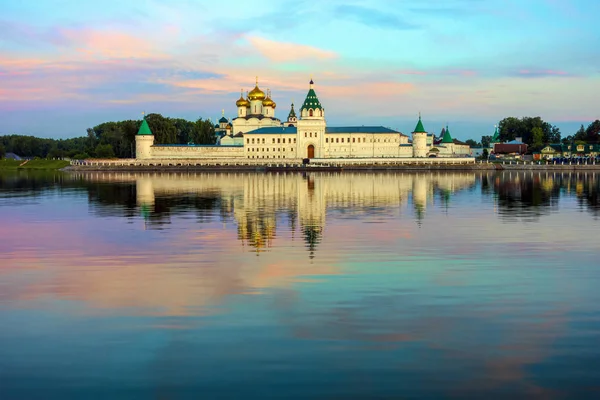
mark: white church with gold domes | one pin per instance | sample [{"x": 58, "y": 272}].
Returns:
[{"x": 257, "y": 134}]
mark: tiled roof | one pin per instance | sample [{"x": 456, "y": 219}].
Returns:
[
  {"x": 360, "y": 129},
  {"x": 274, "y": 130}
]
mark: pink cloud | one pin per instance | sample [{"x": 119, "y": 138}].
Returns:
[
  {"x": 542, "y": 72},
  {"x": 285, "y": 51}
]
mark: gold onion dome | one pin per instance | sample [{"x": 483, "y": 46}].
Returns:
[
  {"x": 242, "y": 102},
  {"x": 256, "y": 94},
  {"x": 268, "y": 102}
]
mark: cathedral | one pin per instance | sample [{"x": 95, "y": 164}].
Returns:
[{"x": 256, "y": 133}]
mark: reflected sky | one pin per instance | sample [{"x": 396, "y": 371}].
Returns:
[{"x": 296, "y": 285}]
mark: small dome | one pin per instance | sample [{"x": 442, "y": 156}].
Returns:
[
  {"x": 256, "y": 94},
  {"x": 268, "y": 102},
  {"x": 242, "y": 102}
]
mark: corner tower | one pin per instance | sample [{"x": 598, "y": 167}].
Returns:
[
  {"x": 311, "y": 126},
  {"x": 144, "y": 140},
  {"x": 419, "y": 140}
]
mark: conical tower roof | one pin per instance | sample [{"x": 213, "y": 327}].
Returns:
[
  {"x": 311, "y": 101},
  {"x": 419, "y": 128},
  {"x": 496, "y": 137},
  {"x": 292, "y": 113},
  {"x": 144, "y": 128},
  {"x": 447, "y": 138}
]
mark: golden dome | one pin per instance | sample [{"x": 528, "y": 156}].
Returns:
[
  {"x": 269, "y": 103},
  {"x": 256, "y": 94},
  {"x": 242, "y": 102}
]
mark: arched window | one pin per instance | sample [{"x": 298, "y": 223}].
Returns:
[{"x": 310, "y": 112}]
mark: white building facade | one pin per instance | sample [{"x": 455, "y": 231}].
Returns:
[{"x": 257, "y": 134}]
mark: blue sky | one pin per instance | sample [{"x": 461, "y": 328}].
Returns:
[{"x": 69, "y": 65}]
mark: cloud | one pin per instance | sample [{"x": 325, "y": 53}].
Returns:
[
  {"x": 540, "y": 73},
  {"x": 373, "y": 18},
  {"x": 286, "y": 52}
]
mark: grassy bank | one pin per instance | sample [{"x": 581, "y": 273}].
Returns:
[{"x": 32, "y": 164}]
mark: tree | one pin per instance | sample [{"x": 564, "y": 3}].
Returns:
[
  {"x": 471, "y": 143},
  {"x": 2, "y": 152},
  {"x": 538, "y": 136},
  {"x": 485, "y": 154},
  {"x": 593, "y": 132},
  {"x": 511, "y": 128},
  {"x": 104, "y": 151},
  {"x": 486, "y": 141}
]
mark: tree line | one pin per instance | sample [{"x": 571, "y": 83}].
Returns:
[
  {"x": 111, "y": 139},
  {"x": 536, "y": 133}
]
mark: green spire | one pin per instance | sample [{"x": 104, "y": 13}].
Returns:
[
  {"x": 419, "y": 128},
  {"x": 496, "y": 137},
  {"x": 292, "y": 113},
  {"x": 311, "y": 101},
  {"x": 144, "y": 128},
  {"x": 447, "y": 138}
]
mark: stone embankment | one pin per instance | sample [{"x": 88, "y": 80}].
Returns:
[{"x": 375, "y": 164}]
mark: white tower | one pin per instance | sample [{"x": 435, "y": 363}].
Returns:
[
  {"x": 419, "y": 140},
  {"x": 311, "y": 126},
  {"x": 144, "y": 140}
]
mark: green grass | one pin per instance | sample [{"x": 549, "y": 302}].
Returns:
[{"x": 32, "y": 164}]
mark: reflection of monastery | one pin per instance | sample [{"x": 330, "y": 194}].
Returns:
[
  {"x": 256, "y": 133},
  {"x": 257, "y": 202}
]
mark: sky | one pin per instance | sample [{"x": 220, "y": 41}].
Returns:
[{"x": 68, "y": 65}]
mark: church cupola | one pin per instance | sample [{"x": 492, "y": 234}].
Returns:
[
  {"x": 256, "y": 97},
  {"x": 269, "y": 105},
  {"x": 292, "y": 119},
  {"x": 447, "y": 138},
  {"x": 242, "y": 104},
  {"x": 312, "y": 106}
]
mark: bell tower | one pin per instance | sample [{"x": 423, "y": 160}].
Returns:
[{"x": 311, "y": 126}]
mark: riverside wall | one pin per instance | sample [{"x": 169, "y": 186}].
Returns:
[{"x": 361, "y": 164}]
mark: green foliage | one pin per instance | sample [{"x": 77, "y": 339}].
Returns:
[
  {"x": 80, "y": 156},
  {"x": 30, "y": 146},
  {"x": 2, "y": 152},
  {"x": 471, "y": 143},
  {"x": 486, "y": 140},
  {"x": 104, "y": 151},
  {"x": 591, "y": 134},
  {"x": 485, "y": 154},
  {"x": 538, "y": 136},
  {"x": 511, "y": 128},
  {"x": 118, "y": 136}
]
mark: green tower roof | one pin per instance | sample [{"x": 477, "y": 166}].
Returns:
[
  {"x": 447, "y": 138},
  {"x": 496, "y": 137},
  {"x": 144, "y": 128},
  {"x": 419, "y": 128},
  {"x": 311, "y": 101},
  {"x": 292, "y": 113}
]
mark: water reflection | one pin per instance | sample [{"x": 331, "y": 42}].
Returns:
[{"x": 289, "y": 285}]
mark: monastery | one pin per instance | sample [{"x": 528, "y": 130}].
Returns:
[{"x": 256, "y": 133}]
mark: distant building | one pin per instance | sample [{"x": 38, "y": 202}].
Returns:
[{"x": 515, "y": 147}]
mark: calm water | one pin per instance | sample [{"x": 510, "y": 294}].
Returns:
[{"x": 396, "y": 285}]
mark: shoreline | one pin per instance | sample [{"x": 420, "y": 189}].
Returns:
[{"x": 335, "y": 168}]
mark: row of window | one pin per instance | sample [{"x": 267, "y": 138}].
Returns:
[
  {"x": 267, "y": 149},
  {"x": 310, "y": 134},
  {"x": 358, "y": 140},
  {"x": 279, "y": 140},
  {"x": 266, "y": 157}
]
